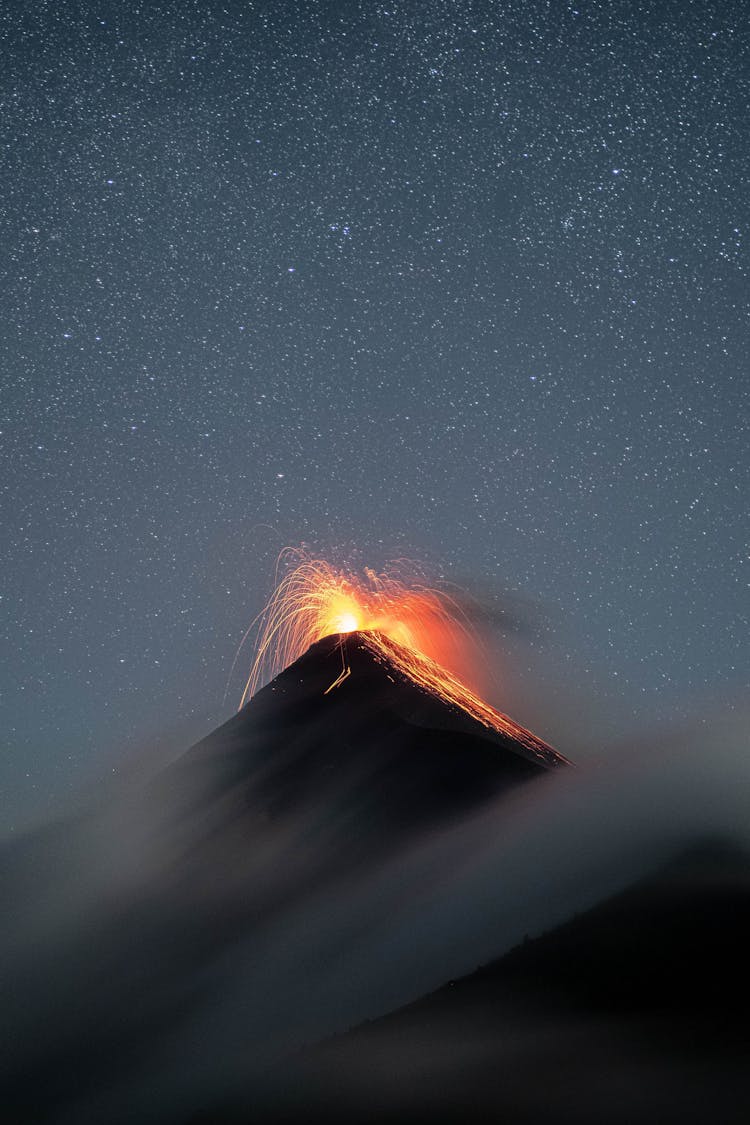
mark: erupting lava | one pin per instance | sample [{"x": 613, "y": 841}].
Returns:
[{"x": 412, "y": 626}]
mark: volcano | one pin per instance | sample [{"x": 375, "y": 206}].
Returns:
[
  {"x": 344, "y": 727},
  {"x": 229, "y": 857},
  {"x": 348, "y": 842}
]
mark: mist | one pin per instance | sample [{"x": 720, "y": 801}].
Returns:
[{"x": 173, "y": 943}]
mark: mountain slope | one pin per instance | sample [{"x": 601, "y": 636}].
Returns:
[
  {"x": 393, "y": 755},
  {"x": 634, "y": 1011},
  {"x": 149, "y": 915}
]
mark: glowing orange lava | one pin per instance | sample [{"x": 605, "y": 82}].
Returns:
[{"x": 418, "y": 629}]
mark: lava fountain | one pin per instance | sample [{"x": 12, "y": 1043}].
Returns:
[{"x": 420, "y": 630}]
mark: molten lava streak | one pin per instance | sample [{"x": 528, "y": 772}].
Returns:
[{"x": 411, "y": 626}]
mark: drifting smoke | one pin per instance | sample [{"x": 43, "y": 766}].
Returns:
[{"x": 166, "y": 949}]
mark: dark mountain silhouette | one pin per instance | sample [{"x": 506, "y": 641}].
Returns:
[
  {"x": 395, "y": 757},
  {"x": 634, "y": 1011},
  {"x": 302, "y": 789}
]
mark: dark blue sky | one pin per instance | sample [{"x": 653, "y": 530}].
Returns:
[{"x": 463, "y": 281}]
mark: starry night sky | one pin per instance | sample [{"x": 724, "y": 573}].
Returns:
[{"x": 465, "y": 281}]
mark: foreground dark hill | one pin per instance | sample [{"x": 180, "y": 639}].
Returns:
[{"x": 638, "y": 1010}]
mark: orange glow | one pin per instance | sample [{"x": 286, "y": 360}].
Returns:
[
  {"x": 347, "y": 623},
  {"x": 418, "y": 629}
]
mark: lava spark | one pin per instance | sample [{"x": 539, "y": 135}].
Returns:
[{"x": 416, "y": 628}]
